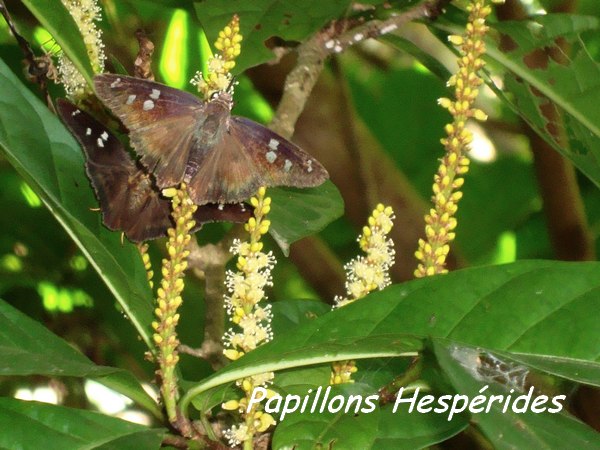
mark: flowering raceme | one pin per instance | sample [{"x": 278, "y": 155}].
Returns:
[
  {"x": 85, "y": 13},
  {"x": 252, "y": 322},
  {"x": 371, "y": 271},
  {"x": 219, "y": 77},
  {"x": 440, "y": 222}
]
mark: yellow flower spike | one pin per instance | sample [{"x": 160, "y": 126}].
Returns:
[{"x": 432, "y": 253}]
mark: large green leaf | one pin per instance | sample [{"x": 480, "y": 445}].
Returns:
[
  {"x": 539, "y": 84},
  {"x": 510, "y": 430},
  {"x": 297, "y": 213},
  {"x": 53, "y": 15},
  {"x": 28, "y": 348},
  {"x": 29, "y": 425},
  {"x": 378, "y": 429},
  {"x": 527, "y": 307},
  {"x": 48, "y": 158}
]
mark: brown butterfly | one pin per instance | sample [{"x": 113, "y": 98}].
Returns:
[
  {"x": 222, "y": 158},
  {"x": 128, "y": 198}
]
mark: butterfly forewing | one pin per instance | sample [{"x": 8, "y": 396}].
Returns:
[
  {"x": 279, "y": 161},
  {"x": 128, "y": 198},
  {"x": 161, "y": 122}
]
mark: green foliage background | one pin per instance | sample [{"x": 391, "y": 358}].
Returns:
[{"x": 61, "y": 270}]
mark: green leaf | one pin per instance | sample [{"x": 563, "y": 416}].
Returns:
[
  {"x": 291, "y": 313},
  {"x": 38, "y": 425},
  {"x": 378, "y": 429},
  {"x": 263, "y": 19},
  {"x": 510, "y": 430},
  {"x": 51, "y": 162},
  {"x": 56, "y": 19},
  {"x": 571, "y": 86},
  {"x": 21, "y": 353},
  {"x": 527, "y": 307},
  {"x": 297, "y": 213},
  {"x": 27, "y": 348}
]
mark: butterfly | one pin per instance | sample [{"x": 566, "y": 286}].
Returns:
[
  {"x": 222, "y": 158},
  {"x": 128, "y": 197}
]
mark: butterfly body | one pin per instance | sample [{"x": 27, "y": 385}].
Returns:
[{"x": 222, "y": 158}]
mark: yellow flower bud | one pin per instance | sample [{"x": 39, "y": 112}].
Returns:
[{"x": 231, "y": 405}]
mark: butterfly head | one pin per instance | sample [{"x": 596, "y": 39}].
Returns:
[{"x": 222, "y": 98}]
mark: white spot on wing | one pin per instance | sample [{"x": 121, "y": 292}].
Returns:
[
  {"x": 148, "y": 105},
  {"x": 88, "y": 132},
  {"x": 221, "y": 206},
  {"x": 100, "y": 142},
  {"x": 273, "y": 144},
  {"x": 309, "y": 169},
  {"x": 104, "y": 136},
  {"x": 115, "y": 83},
  {"x": 130, "y": 99},
  {"x": 287, "y": 166},
  {"x": 329, "y": 44},
  {"x": 358, "y": 36},
  {"x": 155, "y": 94},
  {"x": 271, "y": 156},
  {"x": 74, "y": 113},
  {"x": 337, "y": 49}
]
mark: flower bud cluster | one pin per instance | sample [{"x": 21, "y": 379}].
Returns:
[{"x": 218, "y": 76}]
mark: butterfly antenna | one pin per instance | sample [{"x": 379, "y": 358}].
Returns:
[{"x": 232, "y": 84}]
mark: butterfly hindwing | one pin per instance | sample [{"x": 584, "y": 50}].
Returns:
[
  {"x": 161, "y": 122},
  {"x": 127, "y": 199}
]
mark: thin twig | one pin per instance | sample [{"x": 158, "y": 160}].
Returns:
[{"x": 313, "y": 53}]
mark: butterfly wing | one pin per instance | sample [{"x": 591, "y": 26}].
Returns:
[
  {"x": 127, "y": 198},
  {"x": 161, "y": 122},
  {"x": 279, "y": 161},
  {"x": 248, "y": 156}
]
